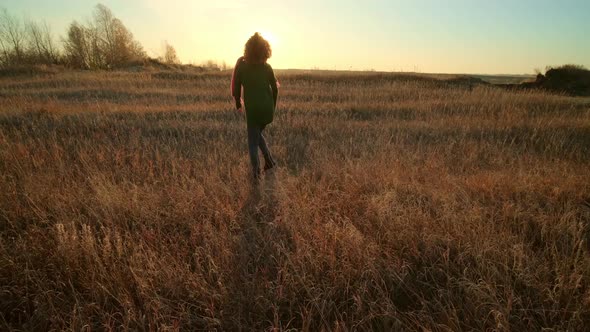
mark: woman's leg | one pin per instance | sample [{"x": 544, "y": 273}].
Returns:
[
  {"x": 268, "y": 160},
  {"x": 254, "y": 135}
]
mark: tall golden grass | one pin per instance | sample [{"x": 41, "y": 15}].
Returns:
[{"x": 399, "y": 203}]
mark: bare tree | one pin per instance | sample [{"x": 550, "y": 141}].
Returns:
[
  {"x": 77, "y": 47},
  {"x": 4, "y": 53},
  {"x": 115, "y": 40},
  {"x": 12, "y": 36},
  {"x": 51, "y": 49},
  {"x": 103, "y": 43},
  {"x": 170, "y": 54},
  {"x": 125, "y": 45},
  {"x": 211, "y": 64},
  {"x": 103, "y": 30},
  {"x": 35, "y": 40},
  {"x": 96, "y": 48},
  {"x": 41, "y": 47}
]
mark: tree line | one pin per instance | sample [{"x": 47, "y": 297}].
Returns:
[{"x": 102, "y": 43}]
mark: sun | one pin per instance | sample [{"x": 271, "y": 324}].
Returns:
[{"x": 268, "y": 36}]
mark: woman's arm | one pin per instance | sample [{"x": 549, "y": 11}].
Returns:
[
  {"x": 236, "y": 84},
  {"x": 273, "y": 85}
]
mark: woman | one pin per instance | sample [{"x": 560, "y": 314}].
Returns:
[{"x": 260, "y": 97}]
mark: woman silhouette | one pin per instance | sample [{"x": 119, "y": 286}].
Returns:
[{"x": 260, "y": 97}]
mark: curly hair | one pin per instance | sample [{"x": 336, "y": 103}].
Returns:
[{"x": 257, "y": 49}]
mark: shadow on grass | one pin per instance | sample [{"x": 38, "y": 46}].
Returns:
[{"x": 260, "y": 250}]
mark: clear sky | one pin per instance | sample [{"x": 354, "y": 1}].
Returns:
[{"x": 442, "y": 36}]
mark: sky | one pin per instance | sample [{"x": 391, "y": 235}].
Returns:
[{"x": 429, "y": 36}]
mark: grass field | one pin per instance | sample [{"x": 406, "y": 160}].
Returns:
[{"x": 399, "y": 203}]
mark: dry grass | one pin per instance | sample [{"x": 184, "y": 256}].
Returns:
[{"x": 399, "y": 204}]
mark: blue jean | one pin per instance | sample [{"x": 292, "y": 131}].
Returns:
[{"x": 255, "y": 141}]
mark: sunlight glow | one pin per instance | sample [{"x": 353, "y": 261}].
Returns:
[
  {"x": 270, "y": 37},
  {"x": 455, "y": 36}
]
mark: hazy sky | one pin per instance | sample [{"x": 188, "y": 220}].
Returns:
[{"x": 443, "y": 36}]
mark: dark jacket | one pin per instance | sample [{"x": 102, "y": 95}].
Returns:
[{"x": 260, "y": 91}]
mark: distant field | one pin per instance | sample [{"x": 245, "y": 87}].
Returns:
[
  {"x": 401, "y": 202},
  {"x": 492, "y": 79},
  {"x": 505, "y": 79}
]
